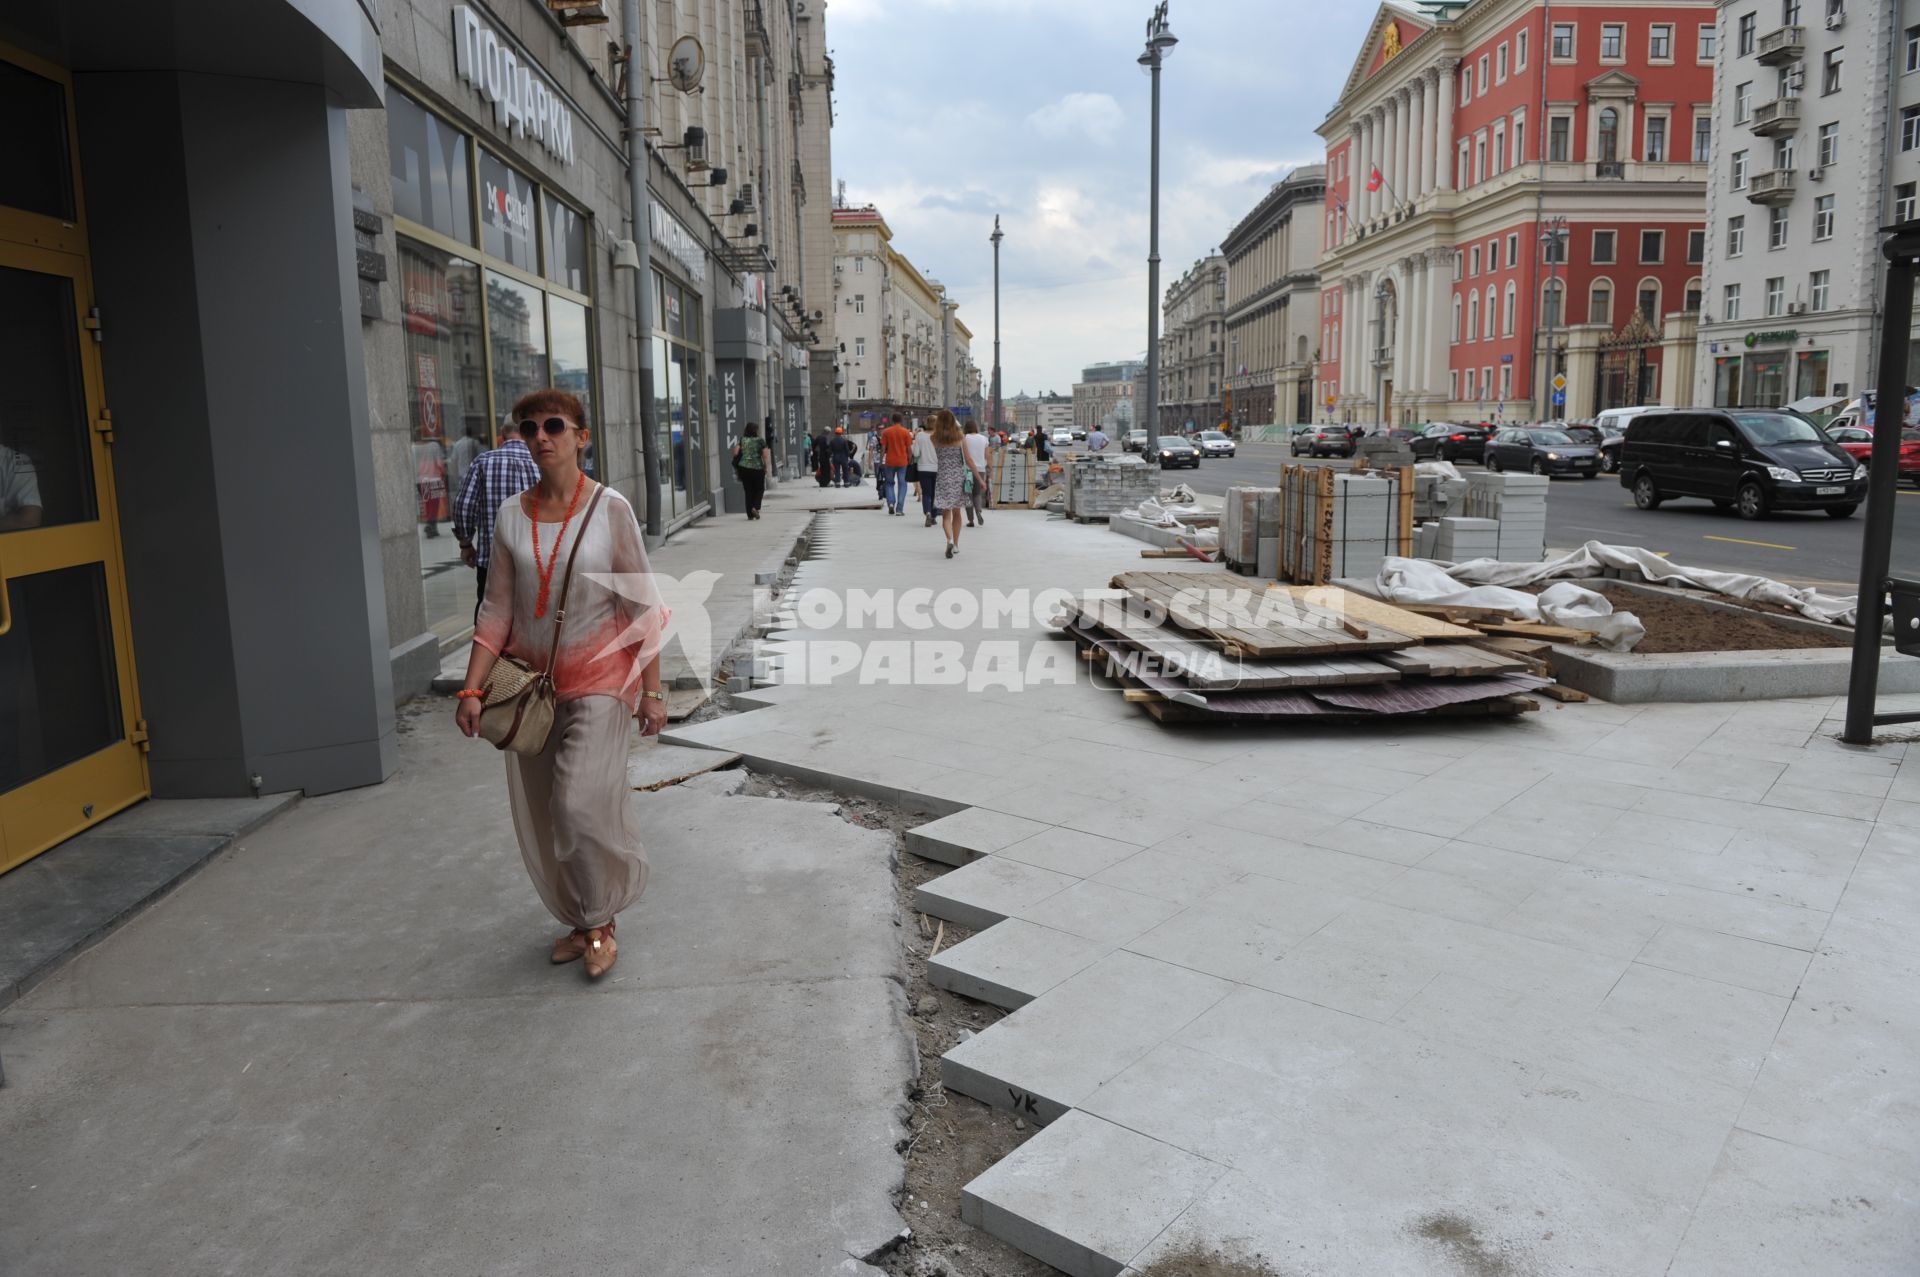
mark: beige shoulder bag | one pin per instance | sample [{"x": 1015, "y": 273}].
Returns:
[{"x": 516, "y": 709}]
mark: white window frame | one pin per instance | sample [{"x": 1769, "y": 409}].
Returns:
[
  {"x": 1520, "y": 50},
  {"x": 1454, "y": 337},
  {"x": 1473, "y": 259},
  {"x": 1492, "y": 319},
  {"x": 859, "y": 265},
  {"x": 1653, "y": 261},
  {"x": 1827, "y": 145},
  {"x": 1702, "y": 130},
  {"x": 1500, "y": 64},
  {"x": 1730, "y": 303},
  {"x": 1485, "y": 80},
  {"x": 1831, "y": 66},
  {"x": 1819, "y": 290},
  {"x": 1823, "y": 218},
  {"x": 1653, "y": 37},
  {"x": 1743, "y": 102},
  {"x": 1697, "y": 236},
  {"x": 1776, "y": 296},
  {"x": 859, "y": 303},
  {"x": 1779, "y": 228},
  {"x": 1553, "y": 120},
  {"x": 1905, "y": 206},
  {"x": 1707, "y": 44},
  {"x": 1736, "y": 235},
  {"x": 1913, "y": 51},
  {"x": 1738, "y": 170},
  {"x": 1519, "y": 135},
  {"x": 1473, "y": 314},
  {"x": 1618, "y": 31},
  {"x": 1509, "y": 307},
  {"x": 1666, "y": 138},
  {"x": 859, "y": 347},
  {"x": 1572, "y": 31},
  {"x": 1599, "y": 287},
  {"x": 1909, "y": 127},
  {"x": 1513, "y": 248}
]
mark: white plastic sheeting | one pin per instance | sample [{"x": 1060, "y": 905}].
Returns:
[
  {"x": 1465, "y": 580},
  {"x": 1566, "y": 604}
]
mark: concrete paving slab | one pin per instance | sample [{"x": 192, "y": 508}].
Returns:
[
  {"x": 1012, "y": 963},
  {"x": 653, "y": 764},
  {"x": 968, "y": 835},
  {"x": 982, "y": 893},
  {"x": 1085, "y": 1195},
  {"x": 1846, "y": 1217},
  {"x": 1096, "y": 911},
  {"x": 1214, "y": 940},
  {"x": 1069, "y": 851},
  {"x": 1046, "y": 1057}
]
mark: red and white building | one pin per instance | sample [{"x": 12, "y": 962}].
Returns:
[{"x": 1510, "y": 178}]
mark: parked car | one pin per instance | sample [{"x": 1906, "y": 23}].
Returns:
[
  {"x": 1062, "y": 438},
  {"x": 1323, "y": 441},
  {"x": 1135, "y": 441},
  {"x": 1615, "y": 420},
  {"x": 1857, "y": 442},
  {"x": 1753, "y": 462},
  {"x": 1079, "y": 432},
  {"x": 1593, "y": 436},
  {"x": 1175, "y": 451},
  {"x": 1444, "y": 441},
  {"x": 1214, "y": 443},
  {"x": 1542, "y": 451}
]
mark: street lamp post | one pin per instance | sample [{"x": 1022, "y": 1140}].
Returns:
[
  {"x": 996, "y": 238},
  {"x": 1160, "y": 42},
  {"x": 1550, "y": 248}
]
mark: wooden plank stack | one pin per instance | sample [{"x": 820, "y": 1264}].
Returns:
[
  {"x": 1210, "y": 647},
  {"x": 1334, "y": 524}
]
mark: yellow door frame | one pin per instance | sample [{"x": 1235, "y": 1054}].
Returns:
[{"x": 53, "y": 807}]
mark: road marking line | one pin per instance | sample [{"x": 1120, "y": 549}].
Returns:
[{"x": 1770, "y": 545}]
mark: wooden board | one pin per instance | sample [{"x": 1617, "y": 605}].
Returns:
[
  {"x": 1451, "y": 660},
  {"x": 1457, "y": 612},
  {"x": 1309, "y": 631},
  {"x": 1550, "y": 633},
  {"x": 1204, "y": 668},
  {"x": 1372, "y": 611}
]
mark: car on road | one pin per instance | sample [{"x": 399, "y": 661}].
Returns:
[
  {"x": 1134, "y": 441},
  {"x": 1749, "y": 461},
  {"x": 1214, "y": 443},
  {"x": 1857, "y": 442},
  {"x": 1542, "y": 451},
  {"x": 1175, "y": 452},
  {"x": 1580, "y": 432},
  {"x": 1062, "y": 438},
  {"x": 1079, "y": 432},
  {"x": 1322, "y": 441},
  {"x": 1445, "y": 441}
]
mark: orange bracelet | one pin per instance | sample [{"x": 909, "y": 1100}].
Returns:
[{"x": 465, "y": 692}]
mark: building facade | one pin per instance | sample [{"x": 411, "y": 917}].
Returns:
[
  {"x": 261, "y": 481},
  {"x": 1104, "y": 396},
  {"x": 1516, "y": 193},
  {"x": 1820, "y": 148},
  {"x": 902, "y": 345},
  {"x": 1273, "y": 303},
  {"x": 1193, "y": 347},
  {"x": 1054, "y": 412}
]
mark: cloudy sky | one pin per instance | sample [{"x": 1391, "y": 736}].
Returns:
[{"x": 950, "y": 111}]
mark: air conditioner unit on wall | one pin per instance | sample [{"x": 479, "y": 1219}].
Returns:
[
  {"x": 1836, "y": 19},
  {"x": 1817, "y": 173},
  {"x": 1796, "y": 308}
]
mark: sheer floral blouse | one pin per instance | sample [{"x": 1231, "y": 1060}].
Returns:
[{"x": 615, "y": 618}]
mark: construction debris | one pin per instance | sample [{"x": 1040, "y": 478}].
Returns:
[{"x": 1205, "y": 647}]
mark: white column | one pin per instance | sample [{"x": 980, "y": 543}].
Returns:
[
  {"x": 1402, "y": 143},
  {"x": 1449, "y": 90},
  {"x": 1416, "y": 139},
  {"x": 1440, "y": 270},
  {"x": 1390, "y": 120},
  {"x": 1363, "y": 199},
  {"x": 1413, "y": 328},
  {"x": 1349, "y": 312},
  {"x": 1380, "y": 159}
]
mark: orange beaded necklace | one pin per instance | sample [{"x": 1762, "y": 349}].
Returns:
[{"x": 546, "y": 573}]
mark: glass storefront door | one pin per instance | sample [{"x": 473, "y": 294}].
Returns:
[{"x": 70, "y": 734}]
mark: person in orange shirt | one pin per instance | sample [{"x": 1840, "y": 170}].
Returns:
[{"x": 896, "y": 453}]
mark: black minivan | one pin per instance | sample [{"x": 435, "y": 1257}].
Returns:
[{"x": 1755, "y": 461}]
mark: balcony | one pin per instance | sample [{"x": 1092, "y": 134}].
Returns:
[
  {"x": 1777, "y": 118},
  {"x": 1775, "y": 186},
  {"x": 1778, "y": 48},
  {"x": 1610, "y": 170}
]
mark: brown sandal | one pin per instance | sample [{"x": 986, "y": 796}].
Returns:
[
  {"x": 570, "y": 947},
  {"x": 600, "y": 950}
]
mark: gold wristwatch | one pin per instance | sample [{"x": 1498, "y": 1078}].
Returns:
[{"x": 658, "y": 696}]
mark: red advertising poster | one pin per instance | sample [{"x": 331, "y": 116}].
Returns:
[
  {"x": 427, "y": 395},
  {"x": 430, "y": 470}
]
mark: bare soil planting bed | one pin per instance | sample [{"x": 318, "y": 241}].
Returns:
[{"x": 1683, "y": 625}]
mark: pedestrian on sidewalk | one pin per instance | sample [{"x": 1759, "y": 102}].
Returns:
[
  {"x": 976, "y": 445},
  {"x": 955, "y": 462},
  {"x": 820, "y": 457},
  {"x": 896, "y": 447},
  {"x": 1096, "y": 439},
  {"x": 750, "y": 463},
  {"x": 926, "y": 464},
  {"x": 571, "y": 802},
  {"x": 874, "y": 461},
  {"x": 493, "y": 478},
  {"x": 842, "y": 457}
]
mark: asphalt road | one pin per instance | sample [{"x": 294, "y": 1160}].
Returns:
[{"x": 1802, "y": 549}]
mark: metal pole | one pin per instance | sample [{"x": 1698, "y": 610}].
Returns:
[
  {"x": 996, "y": 322},
  {"x": 643, "y": 244},
  {"x": 1149, "y": 448},
  {"x": 1883, "y": 478}
]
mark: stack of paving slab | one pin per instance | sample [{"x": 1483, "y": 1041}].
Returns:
[
  {"x": 1517, "y": 503},
  {"x": 1457, "y": 540},
  {"x": 1207, "y": 647},
  {"x": 1100, "y": 487},
  {"x": 1250, "y": 531},
  {"x": 1436, "y": 497},
  {"x": 1343, "y": 529}
]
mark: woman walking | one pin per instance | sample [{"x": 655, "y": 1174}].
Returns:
[
  {"x": 750, "y": 463},
  {"x": 926, "y": 468},
  {"x": 955, "y": 463},
  {"x": 570, "y": 801}
]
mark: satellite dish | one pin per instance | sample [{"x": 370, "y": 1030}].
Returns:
[{"x": 686, "y": 63}]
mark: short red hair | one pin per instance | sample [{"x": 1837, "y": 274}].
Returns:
[{"x": 550, "y": 403}]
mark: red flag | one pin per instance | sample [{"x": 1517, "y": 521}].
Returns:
[{"x": 1374, "y": 180}]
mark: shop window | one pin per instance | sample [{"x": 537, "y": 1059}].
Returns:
[
  {"x": 506, "y": 214},
  {"x": 446, "y": 376},
  {"x": 428, "y": 160},
  {"x": 38, "y": 174},
  {"x": 570, "y": 344},
  {"x": 566, "y": 245},
  {"x": 1810, "y": 374},
  {"x": 517, "y": 338}
]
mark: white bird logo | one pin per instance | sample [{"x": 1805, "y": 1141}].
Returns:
[{"x": 690, "y": 628}]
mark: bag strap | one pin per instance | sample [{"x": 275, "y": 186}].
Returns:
[{"x": 566, "y": 582}]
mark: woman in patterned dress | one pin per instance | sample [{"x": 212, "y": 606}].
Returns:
[{"x": 950, "y": 488}]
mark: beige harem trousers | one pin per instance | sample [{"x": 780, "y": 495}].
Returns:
[{"x": 573, "y": 812}]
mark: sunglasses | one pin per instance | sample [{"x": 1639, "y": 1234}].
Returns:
[{"x": 555, "y": 426}]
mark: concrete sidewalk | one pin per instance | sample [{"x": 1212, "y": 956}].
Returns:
[
  {"x": 340, "y": 1048},
  {"x": 1602, "y": 989}
]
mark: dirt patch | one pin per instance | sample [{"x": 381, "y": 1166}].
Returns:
[
  {"x": 951, "y": 1138},
  {"x": 1683, "y": 625},
  {"x": 1194, "y": 1262},
  {"x": 1461, "y": 1242}
]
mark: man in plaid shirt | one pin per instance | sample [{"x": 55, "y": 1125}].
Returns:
[{"x": 492, "y": 479}]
